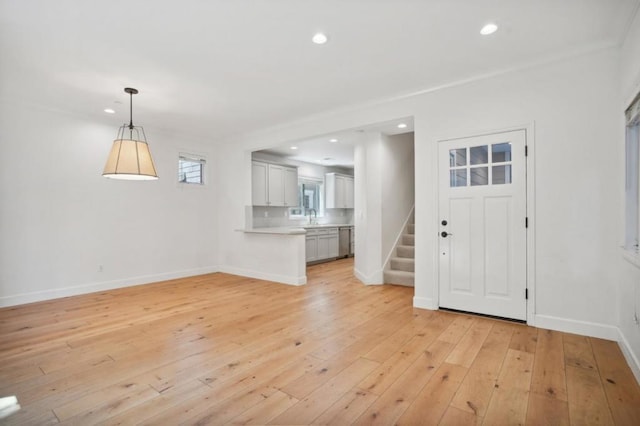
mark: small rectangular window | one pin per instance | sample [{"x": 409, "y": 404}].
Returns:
[
  {"x": 311, "y": 197},
  {"x": 191, "y": 169},
  {"x": 632, "y": 176}
]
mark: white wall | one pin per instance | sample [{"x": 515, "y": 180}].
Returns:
[
  {"x": 368, "y": 208},
  {"x": 278, "y": 258},
  {"x": 629, "y": 282},
  {"x": 60, "y": 219},
  {"x": 573, "y": 107},
  {"x": 573, "y": 104},
  {"x": 398, "y": 179}
]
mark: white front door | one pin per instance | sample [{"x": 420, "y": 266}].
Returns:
[{"x": 482, "y": 233}]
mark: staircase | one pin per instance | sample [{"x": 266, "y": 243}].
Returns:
[{"x": 402, "y": 265}]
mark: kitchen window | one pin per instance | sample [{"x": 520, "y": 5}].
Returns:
[
  {"x": 632, "y": 178},
  {"x": 311, "y": 197}
]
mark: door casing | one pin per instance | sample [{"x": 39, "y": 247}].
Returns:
[{"x": 529, "y": 129}]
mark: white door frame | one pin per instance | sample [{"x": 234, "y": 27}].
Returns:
[{"x": 529, "y": 130}]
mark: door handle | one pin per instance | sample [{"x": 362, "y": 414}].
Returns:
[{"x": 444, "y": 234}]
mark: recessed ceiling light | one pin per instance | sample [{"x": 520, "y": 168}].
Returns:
[
  {"x": 319, "y": 38},
  {"x": 333, "y": 140},
  {"x": 489, "y": 29},
  {"x": 109, "y": 111},
  {"x": 294, "y": 147},
  {"x": 402, "y": 126}
]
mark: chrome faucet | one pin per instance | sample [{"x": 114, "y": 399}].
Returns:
[{"x": 315, "y": 215}]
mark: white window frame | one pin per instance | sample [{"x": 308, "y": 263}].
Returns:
[
  {"x": 320, "y": 212},
  {"x": 632, "y": 182},
  {"x": 194, "y": 158}
]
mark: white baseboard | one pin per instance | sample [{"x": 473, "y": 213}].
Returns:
[
  {"x": 377, "y": 278},
  {"x": 631, "y": 358},
  {"x": 583, "y": 328},
  {"x": 283, "y": 279},
  {"x": 425, "y": 303},
  {"x": 591, "y": 329},
  {"x": 39, "y": 296}
]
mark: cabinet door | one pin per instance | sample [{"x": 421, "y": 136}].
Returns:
[
  {"x": 333, "y": 245},
  {"x": 323, "y": 246},
  {"x": 348, "y": 193},
  {"x": 259, "y": 179},
  {"x": 311, "y": 248},
  {"x": 330, "y": 191},
  {"x": 340, "y": 192},
  {"x": 276, "y": 185},
  {"x": 291, "y": 187}
]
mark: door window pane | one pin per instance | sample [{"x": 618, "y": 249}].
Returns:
[
  {"x": 458, "y": 157},
  {"x": 479, "y": 176},
  {"x": 458, "y": 177},
  {"x": 480, "y": 154},
  {"x": 501, "y": 152},
  {"x": 501, "y": 174}
]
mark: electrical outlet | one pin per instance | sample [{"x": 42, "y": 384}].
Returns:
[
  {"x": 266, "y": 214},
  {"x": 99, "y": 268}
]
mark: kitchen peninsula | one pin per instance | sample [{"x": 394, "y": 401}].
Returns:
[{"x": 300, "y": 212}]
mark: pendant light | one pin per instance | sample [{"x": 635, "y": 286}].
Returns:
[{"x": 130, "y": 158}]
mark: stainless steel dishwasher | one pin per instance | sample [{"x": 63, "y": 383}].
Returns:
[{"x": 344, "y": 241}]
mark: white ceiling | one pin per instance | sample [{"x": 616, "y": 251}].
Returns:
[
  {"x": 337, "y": 149},
  {"x": 220, "y": 67}
]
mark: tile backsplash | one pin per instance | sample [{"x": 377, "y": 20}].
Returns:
[{"x": 273, "y": 217}]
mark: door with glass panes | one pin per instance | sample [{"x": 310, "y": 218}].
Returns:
[{"x": 482, "y": 224}]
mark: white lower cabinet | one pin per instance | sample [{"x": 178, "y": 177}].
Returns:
[
  {"x": 323, "y": 247},
  {"x": 321, "y": 244},
  {"x": 311, "y": 248}
]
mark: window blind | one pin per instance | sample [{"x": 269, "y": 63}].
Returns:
[{"x": 191, "y": 169}]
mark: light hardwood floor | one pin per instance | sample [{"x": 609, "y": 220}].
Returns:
[{"x": 222, "y": 349}]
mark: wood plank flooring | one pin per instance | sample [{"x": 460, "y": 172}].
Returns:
[{"x": 222, "y": 349}]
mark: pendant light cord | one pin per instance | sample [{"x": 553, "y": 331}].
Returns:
[
  {"x": 131, "y": 115},
  {"x": 131, "y": 91}
]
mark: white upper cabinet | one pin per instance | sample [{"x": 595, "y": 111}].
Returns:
[
  {"x": 349, "y": 202},
  {"x": 339, "y": 191},
  {"x": 290, "y": 180},
  {"x": 259, "y": 179},
  {"x": 273, "y": 185},
  {"x": 276, "y": 185}
]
